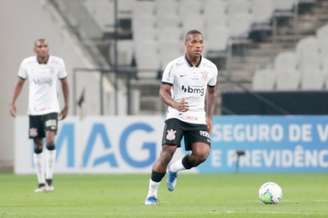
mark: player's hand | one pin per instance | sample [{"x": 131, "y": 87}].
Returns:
[
  {"x": 209, "y": 124},
  {"x": 181, "y": 106},
  {"x": 63, "y": 113},
  {"x": 12, "y": 110}
]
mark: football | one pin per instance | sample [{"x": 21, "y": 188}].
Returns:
[{"x": 270, "y": 193}]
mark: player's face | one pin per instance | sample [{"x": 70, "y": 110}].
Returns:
[
  {"x": 41, "y": 49},
  {"x": 194, "y": 45}
]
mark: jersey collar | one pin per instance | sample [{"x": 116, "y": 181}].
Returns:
[
  {"x": 46, "y": 62},
  {"x": 190, "y": 64}
]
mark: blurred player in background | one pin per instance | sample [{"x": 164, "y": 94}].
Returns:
[
  {"x": 43, "y": 71},
  {"x": 189, "y": 90}
]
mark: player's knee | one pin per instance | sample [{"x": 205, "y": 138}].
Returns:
[
  {"x": 201, "y": 155},
  {"x": 50, "y": 139},
  {"x": 38, "y": 150},
  {"x": 51, "y": 147},
  {"x": 38, "y": 146},
  {"x": 204, "y": 155},
  {"x": 37, "y": 142},
  {"x": 189, "y": 162},
  {"x": 201, "y": 158},
  {"x": 194, "y": 160},
  {"x": 197, "y": 160}
]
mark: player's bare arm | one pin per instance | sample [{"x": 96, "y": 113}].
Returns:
[
  {"x": 165, "y": 93},
  {"x": 17, "y": 91},
  {"x": 211, "y": 99},
  {"x": 65, "y": 89}
]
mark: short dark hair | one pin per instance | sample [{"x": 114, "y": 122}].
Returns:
[
  {"x": 42, "y": 40},
  {"x": 191, "y": 32}
]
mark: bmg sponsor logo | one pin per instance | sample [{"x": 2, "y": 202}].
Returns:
[{"x": 193, "y": 90}]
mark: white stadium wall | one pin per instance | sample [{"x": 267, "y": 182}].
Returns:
[{"x": 22, "y": 22}]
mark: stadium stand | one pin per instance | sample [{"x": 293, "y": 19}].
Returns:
[
  {"x": 244, "y": 37},
  {"x": 304, "y": 69}
]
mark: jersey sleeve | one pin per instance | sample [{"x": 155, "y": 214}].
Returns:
[
  {"x": 22, "y": 72},
  {"x": 62, "y": 74},
  {"x": 213, "y": 79},
  {"x": 168, "y": 77}
]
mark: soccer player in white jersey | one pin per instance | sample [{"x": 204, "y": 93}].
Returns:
[
  {"x": 189, "y": 90},
  {"x": 43, "y": 71}
]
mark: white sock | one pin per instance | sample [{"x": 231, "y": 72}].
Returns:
[
  {"x": 153, "y": 188},
  {"x": 50, "y": 163},
  {"x": 39, "y": 167},
  {"x": 176, "y": 166}
]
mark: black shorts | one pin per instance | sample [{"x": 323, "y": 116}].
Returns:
[
  {"x": 175, "y": 129},
  {"x": 39, "y": 124}
]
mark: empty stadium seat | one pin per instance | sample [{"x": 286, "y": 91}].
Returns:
[
  {"x": 125, "y": 52},
  {"x": 169, "y": 34},
  {"x": 147, "y": 57},
  {"x": 284, "y": 4},
  {"x": 262, "y": 10},
  {"x": 239, "y": 25},
  {"x": 172, "y": 20},
  {"x": 308, "y": 54},
  {"x": 167, "y": 7},
  {"x": 167, "y": 13},
  {"x": 144, "y": 29},
  {"x": 285, "y": 67},
  {"x": 322, "y": 36},
  {"x": 264, "y": 80},
  {"x": 239, "y": 6},
  {"x": 313, "y": 80},
  {"x": 169, "y": 51},
  {"x": 215, "y": 14},
  {"x": 285, "y": 61},
  {"x": 313, "y": 75},
  {"x": 288, "y": 81},
  {"x": 213, "y": 7},
  {"x": 143, "y": 20},
  {"x": 312, "y": 58},
  {"x": 239, "y": 18},
  {"x": 187, "y": 7},
  {"x": 324, "y": 66},
  {"x": 103, "y": 13},
  {"x": 144, "y": 7},
  {"x": 192, "y": 22},
  {"x": 217, "y": 38},
  {"x": 125, "y": 8},
  {"x": 325, "y": 71}
]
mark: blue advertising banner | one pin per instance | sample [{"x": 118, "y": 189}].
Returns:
[
  {"x": 132, "y": 144},
  {"x": 270, "y": 143},
  {"x": 96, "y": 145}
]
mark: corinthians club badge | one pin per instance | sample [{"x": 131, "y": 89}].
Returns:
[
  {"x": 170, "y": 134},
  {"x": 204, "y": 76}
]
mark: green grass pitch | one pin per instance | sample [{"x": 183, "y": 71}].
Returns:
[{"x": 197, "y": 195}]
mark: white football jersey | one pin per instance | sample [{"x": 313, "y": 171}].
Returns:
[
  {"x": 190, "y": 82},
  {"x": 43, "y": 96}
]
